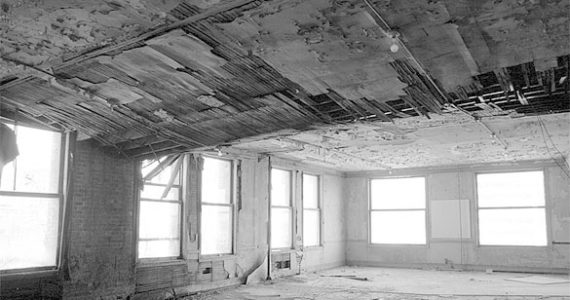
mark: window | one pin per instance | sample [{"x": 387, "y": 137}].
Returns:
[
  {"x": 397, "y": 211},
  {"x": 511, "y": 209},
  {"x": 311, "y": 211},
  {"x": 160, "y": 208},
  {"x": 216, "y": 223},
  {"x": 281, "y": 209},
  {"x": 30, "y": 200}
]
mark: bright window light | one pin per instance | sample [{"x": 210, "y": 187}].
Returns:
[
  {"x": 160, "y": 211},
  {"x": 28, "y": 232},
  {"x": 398, "y": 193},
  {"x": 281, "y": 209},
  {"x": 281, "y": 230},
  {"x": 29, "y": 225},
  {"x": 511, "y": 209},
  {"x": 36, "y": 169},
  {"x": 216, "y": 222},
  {"x": 216, "y": 225},
  {"x": 280, "y": 187},
  {"x": 397, "y": 211},
  {"x": 311, "y": 211},
  {"x": 398, "y": 227}
]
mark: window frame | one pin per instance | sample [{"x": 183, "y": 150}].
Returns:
[
  {"x": 291, "y": 207},
  {"x": 546, "y": 213},
  {"x": 233, "y": 197},
  {"x": 182, "y": 184},
  {"x": 425, "y": 210},
  {"x": 319, "y": 208},
  {"x": 60, "y": 195}
]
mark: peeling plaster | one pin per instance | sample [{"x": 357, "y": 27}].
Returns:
[
  {"x": 449, "y": 139},
  {"x": 35, "y": 32}
]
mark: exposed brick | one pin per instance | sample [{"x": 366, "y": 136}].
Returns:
[{"x": 102, "y": 228}]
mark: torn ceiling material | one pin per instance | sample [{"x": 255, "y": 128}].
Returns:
[
  {"x": 194, "y": 74},
  {"x": 450, "y": 139}
]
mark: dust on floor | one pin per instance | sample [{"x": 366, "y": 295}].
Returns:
[{"x": 387, "y": 284}]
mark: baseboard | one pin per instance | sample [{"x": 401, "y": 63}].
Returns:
[
  {"x": 456, "y": 267},
  {"x": 323, "y": 267}
]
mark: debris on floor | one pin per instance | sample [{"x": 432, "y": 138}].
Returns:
[
  {"x": 395, "y": 284},
  {"x": 535, "y": 279},
  {"x": 353, "y": 277}
]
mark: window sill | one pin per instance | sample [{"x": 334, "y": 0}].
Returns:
[
  {"x": 29, "y": 273},
  {"x": 515, "y": 246},
  {"x": 216, "y": 257},
  {"x": 397, "y": 245},
  {"x": 283, "y": 250},
  {"x": 159, "y": 262},
  {"x": 314, "y": 248}
]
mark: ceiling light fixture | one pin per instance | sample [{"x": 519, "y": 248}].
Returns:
[
  {"x": 217, "y": 149},
  {"x": 394, "y": 48},
  {"x": 395, "y": 36}
]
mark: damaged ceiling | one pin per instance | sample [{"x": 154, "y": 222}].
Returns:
[
  {"x": 444, "y": 140},
  {"x": 150, "y": 77}
]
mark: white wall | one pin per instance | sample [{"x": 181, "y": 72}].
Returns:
[{"x": 446, "y": 187}]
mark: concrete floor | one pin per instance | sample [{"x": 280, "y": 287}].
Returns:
[{"x": 384, "y": 283}]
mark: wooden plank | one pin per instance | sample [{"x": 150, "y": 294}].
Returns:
[{"x": 153, "y": 33}]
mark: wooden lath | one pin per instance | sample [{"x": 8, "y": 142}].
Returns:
[
  {"x": 422, "y": 93},
  {"x": 520, "y": 88}
]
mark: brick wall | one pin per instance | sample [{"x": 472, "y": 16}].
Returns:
[
  {"x": 99, "y": 248},
  {"x": 100, "y": 259}
]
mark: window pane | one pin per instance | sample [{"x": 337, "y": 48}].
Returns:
[
  {"x": 310, "y": 191},
  {"x": 37, "y": 166},
  {"x": 28, "y": 232},
  {"x": 280, "y": 187},
  {"x": 216, "y": 181},
  {"x": 164, "y": 176},
  {"x": 510, "y": 189},
  {"x": 159, "y": 220},
  {"x": 517, "y": 227},
  {"x": 281, "y": 236},
  {"x": 8, "y": 177},
  {"x": 155, "y": 192},
  {"x": 398, "y": 227},
  {"x": 397, "y": 193},
  {"x": 311, "y": 228},
  {"x": 216, "y": 229},
  {"x": 161, "y": 248}
]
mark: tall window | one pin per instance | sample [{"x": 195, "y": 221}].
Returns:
[
  {"x": 311, "y": 211},
  {"x": 511, "y": 209},
  {"x": 30, "y": 200},
  {"x": 160, "y": 208},
  {"x": 216, "y": 223},
  {"x": 397, "y": 211},
  {"x": 281, "y": 209}
]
